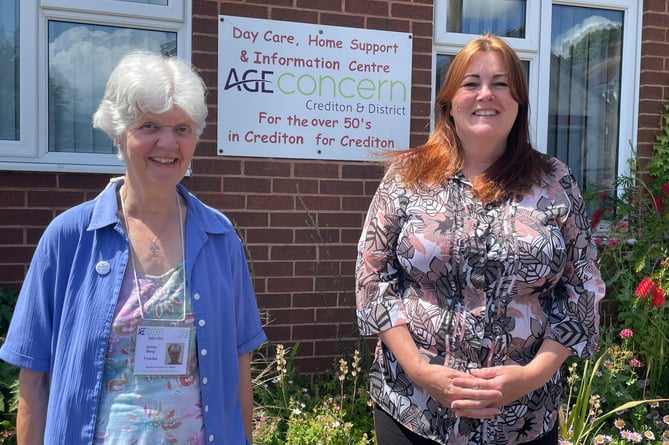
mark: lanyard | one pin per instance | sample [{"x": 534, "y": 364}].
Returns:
[{"x": 134, "y": 267}]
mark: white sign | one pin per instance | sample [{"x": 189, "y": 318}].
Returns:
[{"x": 295, "y": 90}]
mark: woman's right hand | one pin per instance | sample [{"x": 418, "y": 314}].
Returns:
[{"x": 476, "y": 396}]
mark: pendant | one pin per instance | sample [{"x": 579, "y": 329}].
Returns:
[{"x": 153, "y": 247}]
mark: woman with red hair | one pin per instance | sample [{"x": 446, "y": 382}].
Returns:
[{"x": 476, "y": 269}]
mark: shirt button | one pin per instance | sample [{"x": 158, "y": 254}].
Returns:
[
  {"x": 211, "y": 438},
  {"x": 206, "y": 408},
  {"x": 202, "y": 322},
  {"x": 203, "y": 352},
  {"x": 204, "y": 380},
  {"x": 196, "y": 296}
]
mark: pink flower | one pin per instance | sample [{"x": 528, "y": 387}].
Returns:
[
  {"x": 658, "y": 296},
  {"x": 635, "y": 363},
  {"x": 612, "y": 243},
  {"x": 626, "y": 333},
  {"x": 623, "y": 225},
  {"x": 599, "y": 240},
  {"x": 644, "y": 287}
]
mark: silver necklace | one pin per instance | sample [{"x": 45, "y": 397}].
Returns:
[
  {"x": 134, "y": 267},
  {"x": 153, "y": 243}
]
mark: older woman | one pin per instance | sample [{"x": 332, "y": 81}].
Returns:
[
  {"x": 476, "y": 270},
  {"x": 116, "y": 280}
]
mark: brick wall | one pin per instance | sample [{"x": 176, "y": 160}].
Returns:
[
  {"x": 299, "y": 219},
  {"x": 654, "y": 79}
]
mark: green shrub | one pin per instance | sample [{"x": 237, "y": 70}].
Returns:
[
  {"x": 324, "y": 409},
  {"x": 9, "y": 375}
]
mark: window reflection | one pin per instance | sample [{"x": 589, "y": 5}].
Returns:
[
  {"x": 9, "y": 78},
  {"x": 501, "y": 17},
  {"x": 584, "y": 92},
  {"x": 81, "y": 57},
  {"x": 148, "y": 2}
]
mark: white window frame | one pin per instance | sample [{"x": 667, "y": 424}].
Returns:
[
  {"x": 175, "y": 9},
  {"x": 30, "y": 152},
  {"x": 535, "y": 48}
]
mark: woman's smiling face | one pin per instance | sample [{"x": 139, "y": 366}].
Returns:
[
  {"x": 158, "y": 148},
  {"x": 483, "y": 108}
]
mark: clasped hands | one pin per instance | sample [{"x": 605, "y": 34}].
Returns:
[{"x": 479, "y": 394}]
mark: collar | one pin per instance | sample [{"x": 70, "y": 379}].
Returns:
[{"x": 105, "y": 210}]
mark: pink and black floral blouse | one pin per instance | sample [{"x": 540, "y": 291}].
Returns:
[{"x": 477, "y": 286}]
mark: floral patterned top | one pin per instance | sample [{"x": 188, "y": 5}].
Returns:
[
  {"x": 149, "y": 409},
  {"x": 477, "y": 286}
]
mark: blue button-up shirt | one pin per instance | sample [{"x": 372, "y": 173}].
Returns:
[{"x": 66, "y": 306}]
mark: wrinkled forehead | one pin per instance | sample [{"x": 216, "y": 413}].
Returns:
[{"x": 175, "y": 116}]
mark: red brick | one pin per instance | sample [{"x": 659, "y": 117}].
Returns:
[
  {"x": 341, "y": 187},
  {"x": 314, "y": 203},
  {"x": 320, "y": 235},
  {"x": 289, "y": 219},
  {"x": 291, "y": 316},
  {"x": 345, "y": 20},
  {"x": 290, "y": 284},
  {"x": 249, "y": 219},
  {"x": 223, "y": 202},
  {"x": 12, "y": 275},
  {"x": 25, "y": 217},
  {"x": 388, "y": 24},
  {"x": 274, "y": 300},
  {"x": 316, "y": 170},
  {"x": 291, "y": 15},
  {"x": 367, "y": 8},
  {"x": 315, "y": 299},
  {"x": 341, "y": 220},
  {"x": 321, "y": 5},
  {"x": 270, "y": 202},
  {"x": 51, "y": 199},
  {"x": 292, "y": 252},
  {"x": 335, "y": 315},
  {"x": 362, "y": 170},
  {"x": 267, "y": 168},
  {"x": 412, "y": 11},
  {"x": 270, "y": 236},
  {"x": 294, "y": 185},
  {"x": 245, "y": 184}
]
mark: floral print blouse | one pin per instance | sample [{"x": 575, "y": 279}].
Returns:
[{"x": 477, "y": 286}]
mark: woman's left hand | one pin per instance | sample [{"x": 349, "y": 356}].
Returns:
[{"x": 513, "y": 381}]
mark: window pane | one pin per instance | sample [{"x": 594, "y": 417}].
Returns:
[
  {"x": 584, "y": 92},
  {"x": 81, "y": 57},
  {"x": 501, "y": 17},
  {"x": 10, "y": 78},
  {"x": 148, "y": 2}
]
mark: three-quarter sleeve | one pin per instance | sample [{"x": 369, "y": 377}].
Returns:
[
  {"x": 378, "y": 300},
  {"x": 574, "y": 313}
]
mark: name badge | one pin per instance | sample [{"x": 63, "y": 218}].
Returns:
[{"x": 161, "y": 350}]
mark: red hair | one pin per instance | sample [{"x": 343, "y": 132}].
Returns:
[{"x": 441, "y": 156}]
